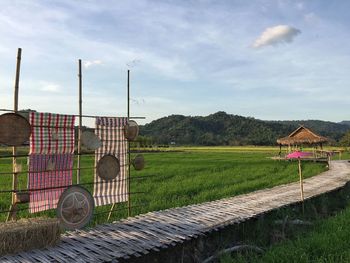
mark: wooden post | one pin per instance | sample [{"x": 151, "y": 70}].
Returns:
[
  {"x": 314, "y": 153},
  {"x": 280, "y": 153},
  {"x": 301, "y": 181},
  {"x": 12, "y": 215},
  {"x": 80, "y": 119},
  {"x": 128, "y": 149},
  {"x": 129, "y": 157}
]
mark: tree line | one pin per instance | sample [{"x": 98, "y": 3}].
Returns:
[{"x": 226, "y": 129}]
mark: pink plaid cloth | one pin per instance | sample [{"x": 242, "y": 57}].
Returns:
[
  {"x": 51, "y": 133},
  {"x": 50, "y": 158},
  {"x": 48, "y": 171},
  {"x": 111, "y": 133}
]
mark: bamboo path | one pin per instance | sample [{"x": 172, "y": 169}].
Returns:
[{"x": 153, "y": 231}]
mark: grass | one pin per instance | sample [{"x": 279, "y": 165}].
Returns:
[
  {"x": 196, "y": 175},
  {"x": 328, "y": 241}
]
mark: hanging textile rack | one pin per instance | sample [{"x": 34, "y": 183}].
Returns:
[{"x": 78, "y": 151}]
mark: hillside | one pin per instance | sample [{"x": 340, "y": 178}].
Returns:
[
  {"x": 226, "y": 129},
  {"x": 345, "y": 122}
]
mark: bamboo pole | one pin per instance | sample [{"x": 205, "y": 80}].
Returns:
[
  {"x": 12, "y": 215},
  {"x": 128, "y": 150},
  {"x": 128, "y": 144},
  {"x": 80, "y": 119},
  {"x": 110, "y": 212},
  {"x": 280, "y": 153},
  {"x": 301, "y": 181}
]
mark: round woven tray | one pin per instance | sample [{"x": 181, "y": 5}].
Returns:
[
  {"x": 138, "y": 162},
  {"x": 90, "y": 140},
  {"x": 14, "y": 129},
  {"x": 131, "y": 130},
  {"x": 108, "y": 167}
]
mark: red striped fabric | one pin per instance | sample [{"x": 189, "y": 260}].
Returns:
[
  {"x": 51, "y": 133},
  {"x": 50, "y": 158},
  {"x": 48, "y": 171},
  {"x": 111, "y": 133}
]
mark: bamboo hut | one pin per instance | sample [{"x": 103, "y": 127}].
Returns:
[{"x": 300, "y": 137}]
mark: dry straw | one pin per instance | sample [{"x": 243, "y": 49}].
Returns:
[
  {"x": 302, "y": 135},
  {"x": 27, "y": 234}
]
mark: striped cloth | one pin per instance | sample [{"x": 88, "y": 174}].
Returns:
[
  {"x": 50, "y": 158},
  {"x": 48, "y": 171},
  {"x": 111, "y": 133},
  {"x": 51, "y": 133}
]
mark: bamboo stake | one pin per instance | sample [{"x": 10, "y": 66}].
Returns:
[
  {"x": 110, "y": 212},
  {"x": 128, "y": 149},
  {"x": 12, "y": 215},
  {"x": 280, "y": 153},
  {"x": 128, "y": 145},
  {"x": 301, "y": 181},
  {"x": 80, "y": 119}
]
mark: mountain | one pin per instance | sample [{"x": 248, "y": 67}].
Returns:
[
  {"x": 345, "y": 123},
  {"x": 226, "y": 129}
]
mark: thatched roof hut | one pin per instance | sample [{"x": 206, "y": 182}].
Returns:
[{"x": 302, "y": 135}]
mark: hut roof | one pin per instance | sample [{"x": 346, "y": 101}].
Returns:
[{"x": 302, "y": 135}]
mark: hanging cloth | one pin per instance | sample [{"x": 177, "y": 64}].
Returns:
[
  {"x": 113, "y": 143},
  {"x": 50, "y": 158},
  {"x": 51, "y": 133},
  {"x": 52, "y": 173}
]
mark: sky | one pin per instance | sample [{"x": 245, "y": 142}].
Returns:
[{"x": 267, "y": 59}]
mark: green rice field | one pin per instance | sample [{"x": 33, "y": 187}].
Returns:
[
  {"x": 327, "y": 241},
  {"x": 182, "y": 177}
]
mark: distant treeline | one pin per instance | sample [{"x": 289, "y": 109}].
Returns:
[{"x": 227, "y": 129}]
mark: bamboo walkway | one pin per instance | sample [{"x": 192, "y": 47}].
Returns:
[{"x": 153, "y": 231}]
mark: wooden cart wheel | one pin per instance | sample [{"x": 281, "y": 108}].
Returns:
[{"x": 75, "y": 208}]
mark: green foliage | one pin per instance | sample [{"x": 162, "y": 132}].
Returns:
[
  {"x": 225, "y": 129},
  {"x": 345, "y": 140},
  {"x": 328, "y": 241},
  {"x": 142, "y": 141},
  {"x": 345, "y": 123}
]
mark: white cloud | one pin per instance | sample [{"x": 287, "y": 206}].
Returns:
[
  {"x": 49, "y": 87},
  {"x": 276, "y": 35},
  {"x": 300, "y": 6},
  {"x": 90, "y": 63},
  {"x": 311, "y": 18}
]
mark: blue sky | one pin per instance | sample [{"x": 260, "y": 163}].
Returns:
[{"x": 266, "y": 59}]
